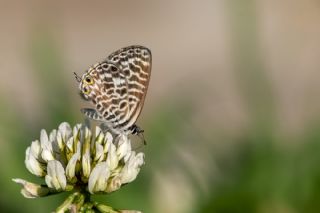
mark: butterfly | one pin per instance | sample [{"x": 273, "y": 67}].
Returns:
[{"x": 117, "y": 87}]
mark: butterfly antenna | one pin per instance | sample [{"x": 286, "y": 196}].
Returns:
[{"x": 77, "y": 77}]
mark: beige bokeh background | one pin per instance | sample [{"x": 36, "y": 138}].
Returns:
[{"x": 231, "y": 61}]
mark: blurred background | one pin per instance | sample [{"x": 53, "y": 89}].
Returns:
[{"x": 232, "y": 115}]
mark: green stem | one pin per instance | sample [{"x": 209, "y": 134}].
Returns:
[
  {"x": 80, "y": 201},
  {"x": 105, "y": 209},
  {"x": 87, "y": 196},
  {"x": 74, "y": 202},
  {"x": 65, "y": 206}
]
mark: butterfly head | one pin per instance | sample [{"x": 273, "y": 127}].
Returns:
[{"x": 87, "y": 85}]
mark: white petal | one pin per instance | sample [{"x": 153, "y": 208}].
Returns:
[
  {"x": 57, "y": 146},
  {"x": 114, "y": 184},
  {"x": 86, "y": 167},
  {"x": 65, "y": 130},
  {"x": 75, "y": 130},
  {"x": 112, "y": 158},
  {"x": 139, "y": 160},
  {"x": 70, "y": 144},
  {"x": 99, "y": 178},
  {"x": 98, "y": 131},
  {"x": 44, "y": 137},
  {"x": 132, "y": 168},
  {"x": 99, "y": 153},
  {"x": 46, "y": 146},
  {"x": 124, "y": 146},
  {"x": 107, "y": 144},
  {"x": 99, "y": 138},
  {"x": 31, "y": 190},
  {"x": 86, "y": 158},
  {"x": 71, "y": 167},
  {"x": 60, "y": 141},
  {"x": 87, "y": 132},
  {"x": 56, "y": 177},
  {"x": 127, "y": 156},
  {"x": 108, "y": 137},
  {"x": 86, "y": 163},
  {"x": 36, "y": 149},
  {"x": 53, "y": 135},
  {"x": 47, "y": 155},
  {"x": 33, "y": 165}
]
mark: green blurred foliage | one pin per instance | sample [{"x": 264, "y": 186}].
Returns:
[{"x": 261, "y": 176}]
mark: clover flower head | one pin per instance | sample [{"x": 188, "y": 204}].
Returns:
[{"x": 77, "y": 158}]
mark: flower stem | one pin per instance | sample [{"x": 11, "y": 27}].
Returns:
[
  {"x": 67, "y": 204},
  {"x": 87, "y": 196},
  {"x": 75, "y": 202},
  {"x": 105, "y": 209}
]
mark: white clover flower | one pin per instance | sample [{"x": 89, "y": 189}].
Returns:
[{"x": 78, "y": 159}]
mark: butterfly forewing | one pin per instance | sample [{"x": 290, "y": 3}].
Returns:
[{"x": 112, "y": 101}]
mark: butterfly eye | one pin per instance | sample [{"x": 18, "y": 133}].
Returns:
[{"x": 89, "y": 80}]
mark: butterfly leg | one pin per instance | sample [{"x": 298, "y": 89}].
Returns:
[{"x": 136, "y": 130}]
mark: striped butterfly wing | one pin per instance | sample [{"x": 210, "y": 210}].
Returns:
[
  {"x": 134, "y": 64},
  {"x": 110, "y": 94}
]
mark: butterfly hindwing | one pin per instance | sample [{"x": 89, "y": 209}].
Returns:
[{"x": 135, "y": 64}]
